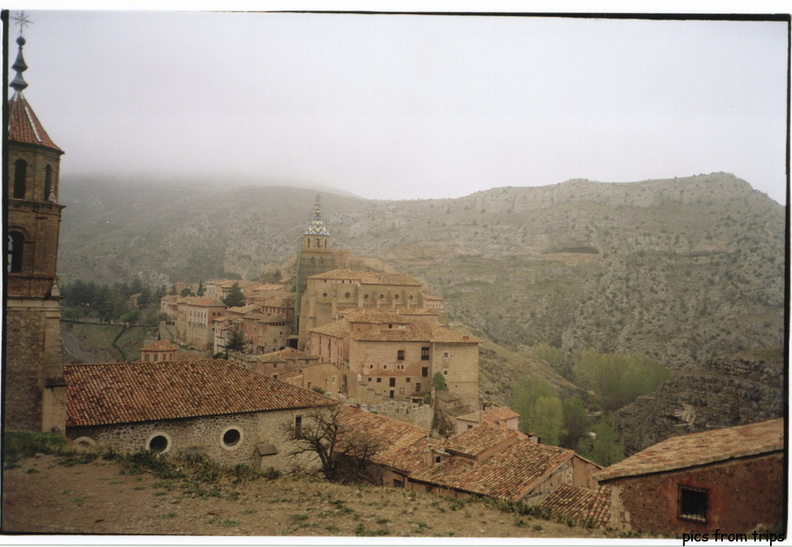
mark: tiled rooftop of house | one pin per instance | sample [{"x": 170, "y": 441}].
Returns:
[
  {"x": 580, "y": 504},
  {"x": 701, "y": 448},
  {"x": 161, "y": 345},
  {"x": 201, "y": 301},
  {"x": 138, "y": 392},
  {"x": 418, "y": 331},
  {"x": 499, "y": 414},
  {"x": 402, "y": 445},
  {"x": 474, "y": 441},
  {"x": 508, "y": 474},
  {"x": 24, "y": 126}
]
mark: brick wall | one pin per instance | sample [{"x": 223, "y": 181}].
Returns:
[
  {"x": 33, "y": 360},
  {"x": 740, "y": 495}
]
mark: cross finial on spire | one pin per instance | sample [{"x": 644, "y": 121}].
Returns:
[
  {"x": 19, "y": 83},
  {"x": 22, "y": 20}
]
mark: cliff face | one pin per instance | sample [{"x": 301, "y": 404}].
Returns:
[
  {"x": 680, "y": 269},
  {"x": 725, "y": 391}
]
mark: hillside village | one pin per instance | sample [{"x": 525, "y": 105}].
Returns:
[{"x": 354, "y": 374}]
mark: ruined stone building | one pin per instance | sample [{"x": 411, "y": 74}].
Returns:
[{"x": 33, "y": 381}]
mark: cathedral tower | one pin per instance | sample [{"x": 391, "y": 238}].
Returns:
[
  {"x": 35, "y": 393},
  {"x": 316, "y": 254}
]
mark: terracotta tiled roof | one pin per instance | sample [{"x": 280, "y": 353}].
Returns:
[
  {"x": 24, "y": 126},
  {"x": 500, "y": 413},
  {"x": 404, "y": 444},
  {"x": 338, "y": 329},
  {"x": 138, "y": 392},
  {"x": 201, "y": 301},
  {"x": 370, "y": 278},
  {"x": 700, "y": 449},
  {"x": 474, "y": 441},
  {"x": 243, "y": 310},
  {"x": 580, "y": 504},
  {"x": 161, "y": 345},
  {"x": 508, "y": 474},
  {"x": 419, "y": 331}
]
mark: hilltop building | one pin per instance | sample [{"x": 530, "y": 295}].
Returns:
[
  {"x": 35, "y": 393},
  {"x": 394, "y": 356},
  {"x": 329, "y": 293}
]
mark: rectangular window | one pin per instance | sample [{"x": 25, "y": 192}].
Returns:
[
  {"x": 400, "y": 355},
  {"x": 297, "y": 426},
  {"x": 418, "y": 386},
  {"x": 424, "y": 354},
  {"x": 692, "y": 503},
  {"x": 407, "y": 379},
  {"x": 379, "y": 379},
  {"x": 392, "y": 382},
  {"x": 424, "y": 371}
]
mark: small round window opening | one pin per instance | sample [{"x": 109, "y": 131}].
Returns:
[
  {"x": 231, "y": 438},
  {"x": 158, "y": 444}
]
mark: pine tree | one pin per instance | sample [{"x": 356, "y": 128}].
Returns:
[{"x": 235, "y": 297}]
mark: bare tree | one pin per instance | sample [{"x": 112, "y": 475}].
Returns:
[{"x": 344, "y": 451}]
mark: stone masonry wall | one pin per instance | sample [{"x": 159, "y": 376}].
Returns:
[
  {"x": 205, "y": 435},
  {"x": 740, "y": 495}
]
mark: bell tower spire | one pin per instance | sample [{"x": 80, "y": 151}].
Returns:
[{"x": 35, "y": 390}]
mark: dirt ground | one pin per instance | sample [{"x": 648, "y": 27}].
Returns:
[{"x": 41, "y": 496}]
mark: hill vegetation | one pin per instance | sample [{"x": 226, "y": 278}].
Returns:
[{"x": 566, "y": 283}]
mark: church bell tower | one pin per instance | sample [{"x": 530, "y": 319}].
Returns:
[{"x": 35, "y": 392}]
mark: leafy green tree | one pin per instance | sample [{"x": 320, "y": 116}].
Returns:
[
  {"x": 439, "y": 382},
  {"x": 539, "y": 408},
  {"x": 547, "y": 419},
  {"x": 618, "y": 379},
  {"x": 555, "y": 358},
  {"x": 200, "y": 291},
  {"x": 576, "y": 422},
  {"x": 186, "y": 291},
  {"x": 235, "y": 297},
  {"x": 606, "y": 448}
]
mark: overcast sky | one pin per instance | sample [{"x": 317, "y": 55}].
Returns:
[{"x": 409, "y": 106}]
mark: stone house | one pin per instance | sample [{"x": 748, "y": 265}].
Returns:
[
  {"x": 730, "y": 479},
  {"x": 294, "y": 367},
  {"x": 393, "y": 356},
  {"x": 501, "y": 463},
  {"x": 159, "y": 351},
  {"x": 195, "y": 321},
  {"x": 488, "y": 461},
  {"x": 208, "y": 407},
  {"x": 329, "y": 293},
  {"x": 490, "y": 414}
]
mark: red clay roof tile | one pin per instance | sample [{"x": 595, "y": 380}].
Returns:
[
  {"x": 137, "y": 392},
  {"x": 701, "y": 448},
  {"x": 24, "y": 126}
]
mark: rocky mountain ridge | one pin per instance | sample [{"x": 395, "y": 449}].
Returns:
[{"x": 680, "y": 269}]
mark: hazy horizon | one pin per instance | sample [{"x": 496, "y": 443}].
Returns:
[{"x": 409, "y": 106}]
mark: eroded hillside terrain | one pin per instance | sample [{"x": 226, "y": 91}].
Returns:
[{"x": 680, "y": 270}]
